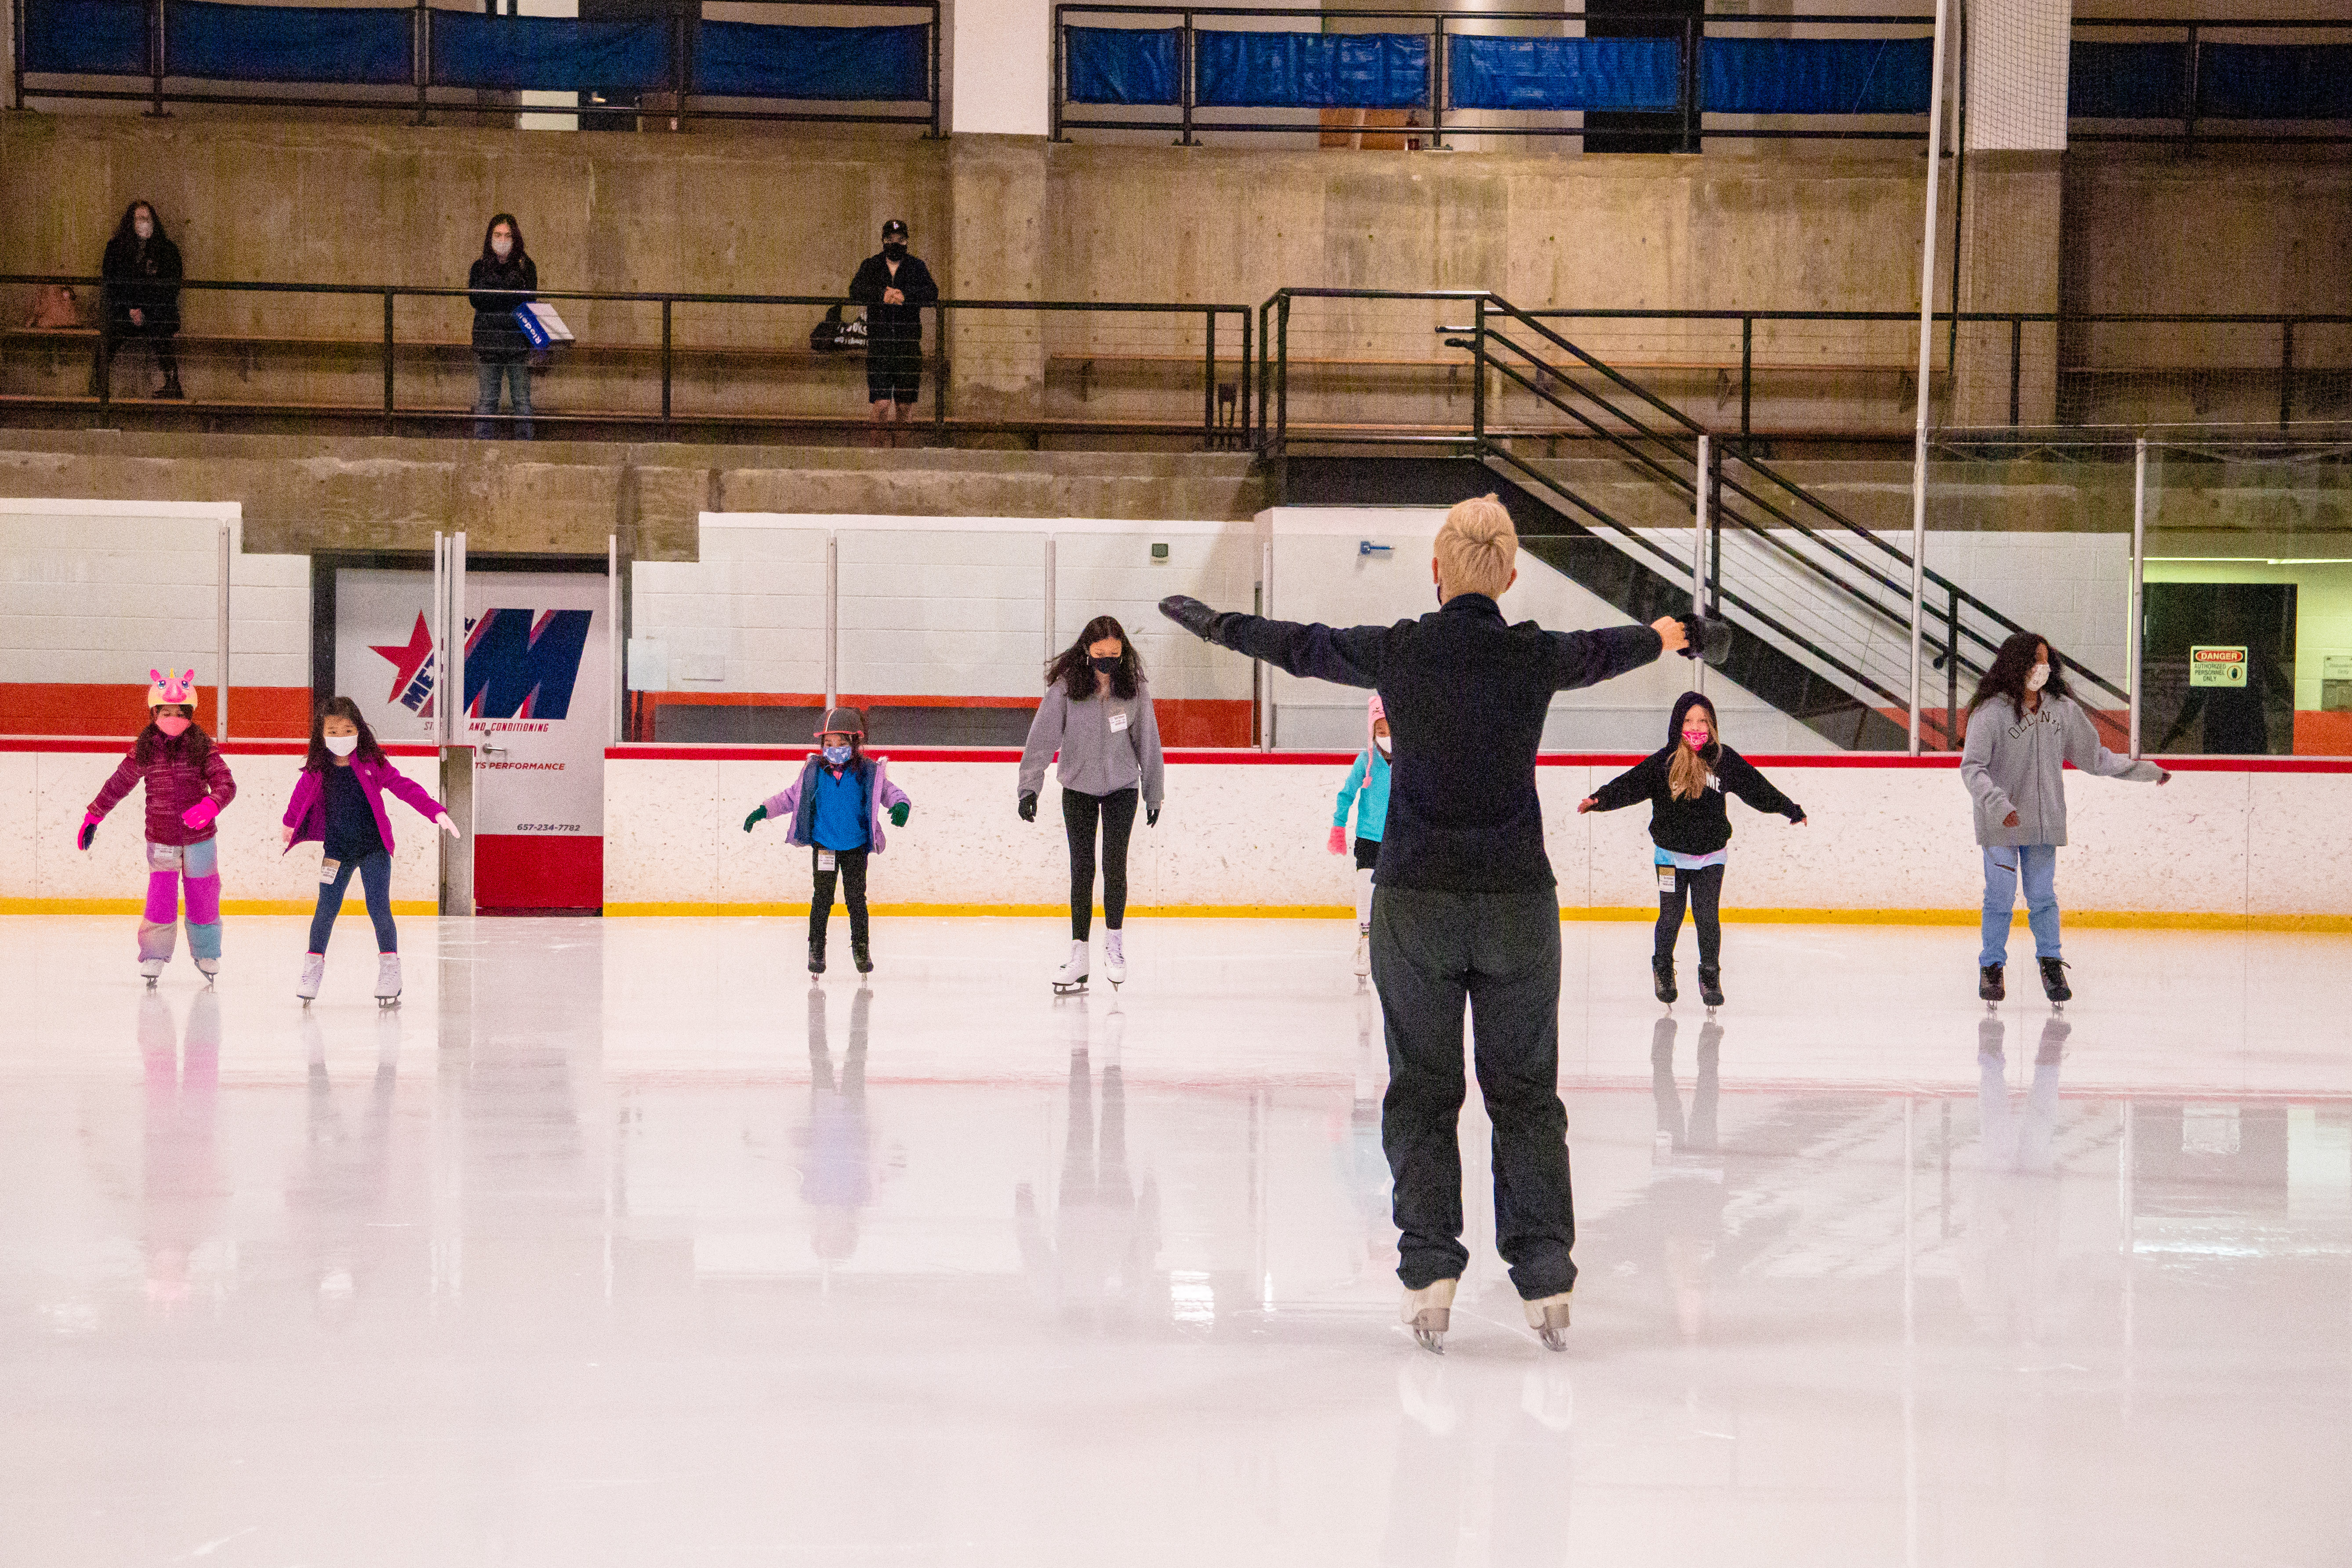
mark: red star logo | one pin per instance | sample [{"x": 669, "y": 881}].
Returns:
[{"x": 406, "y": 661}]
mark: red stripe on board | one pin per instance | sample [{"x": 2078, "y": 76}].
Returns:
[
  {"x": 109, "y": 744},
  {"x": 77, "y": 708},
  {"x": 522, "y": 871}
]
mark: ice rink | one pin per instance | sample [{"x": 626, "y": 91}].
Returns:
[{"x": 619, "y": 1243}]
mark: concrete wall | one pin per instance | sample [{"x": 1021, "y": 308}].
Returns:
[{"x": 1884, "y": 840}]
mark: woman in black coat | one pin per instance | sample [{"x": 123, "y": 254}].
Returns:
[
  {"x": 503, "y": 277},
  {"x": 142, "y": 270}
]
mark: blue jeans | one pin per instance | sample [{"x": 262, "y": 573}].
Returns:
[
  {"x": 488, "y": 374},
  {"x": 375, "y": 881},
  {"x": 2038, "y": 865}
]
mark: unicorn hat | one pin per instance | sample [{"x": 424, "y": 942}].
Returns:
[
  {"x": 172, "y": 688},
  {"x": 1374, "y": 711}
]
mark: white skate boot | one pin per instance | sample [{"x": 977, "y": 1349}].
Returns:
[
  {"x": 1363, "y": 952},
  {"x": 152, "y": 970},
  {"x": 1071, "y": 978},
  {"x": 1114, "y": 958},
  {"x": 387, "y": 979},
  {"x": 209, "y": 968},
  {"x": 1428, "y": 1312},
  {"x": 314, "y": 973},
  {"x": 1547, "y": 1316}
]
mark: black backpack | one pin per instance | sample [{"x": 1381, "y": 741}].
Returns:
[{"x": 832, "y": 335}]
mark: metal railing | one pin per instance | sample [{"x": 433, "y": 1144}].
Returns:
[
  {"x": 673, "y": 97},
  {"x": 2191, "y": 95},
  {"x": 1786, "y": 530},
  {"x": 1217, "y": 338}
]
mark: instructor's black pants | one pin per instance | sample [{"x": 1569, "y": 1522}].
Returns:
[
  {"x": 1080, "y": 811},
  {"x": 1500, "y": 951},
  {"x": 1703, "y": 889},
  {"x": 852, "y": 877}
]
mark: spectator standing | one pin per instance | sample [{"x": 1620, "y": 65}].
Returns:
[
  {"x": 142, "y": 274},
  {"x": 894, "y": 286},
  {"x": 503, "y": 277}
]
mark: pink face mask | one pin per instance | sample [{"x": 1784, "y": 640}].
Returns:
[
  {"x": 1697, "y": 740},
  {"x": 172, "y": 724}
]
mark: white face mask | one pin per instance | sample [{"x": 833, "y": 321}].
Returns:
[
  {"x": 1382, "y": 742},
  {"x": 2039, "y": 676},
  {"x": 502, "y": 247},
  {"x": 341, "y": 745},
  {"x": 144, "y": 227}
]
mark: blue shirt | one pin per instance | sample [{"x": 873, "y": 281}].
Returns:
[{"x": 841, "y": 813}]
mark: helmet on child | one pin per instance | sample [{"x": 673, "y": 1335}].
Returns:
[
  {"x": 171, "y": 690},
  {"x": 842, "y": 722}
]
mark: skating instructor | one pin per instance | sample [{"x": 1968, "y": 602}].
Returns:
[{"x": 1464, "y": 902}]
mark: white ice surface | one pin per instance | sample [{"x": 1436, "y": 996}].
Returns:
[{"x": 599, "y": 1251}]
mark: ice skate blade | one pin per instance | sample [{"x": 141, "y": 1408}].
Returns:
[
  {"x": 1429, "y": 1326},
  {"x": 1431, "y": 1339},
  {"x": 1551, "y": 1326},
  {"x": 383, "y": 1002},
  {"x": 1069, "y": 987}
]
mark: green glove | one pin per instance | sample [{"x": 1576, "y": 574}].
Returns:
[
  {"x": 899, "y": 812},
  {"x": 759, "y": 815}
]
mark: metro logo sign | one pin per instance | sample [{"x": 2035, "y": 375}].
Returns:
[
  {"x": 2214, "y": 664},
  {"x": 520, "y": 664}
]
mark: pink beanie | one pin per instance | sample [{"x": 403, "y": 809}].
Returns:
[
  {"x": 171, "y": 688},
  {"x": 1374, "y": 711}
]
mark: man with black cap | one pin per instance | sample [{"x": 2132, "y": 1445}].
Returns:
[
  {"x": 1464, "y": 908},
  {"x": 894, "y": 286}
]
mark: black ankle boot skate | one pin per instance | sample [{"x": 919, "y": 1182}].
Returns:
[
  {"x": 817, "y": 955},
  {"x": 861, "y": 958},
  {"x": 1710, "y": 985},
  {"x": 2053, "y": 980},
  {"x": 1989, "y": 984},
  {"x": 1661, "y": 979}
]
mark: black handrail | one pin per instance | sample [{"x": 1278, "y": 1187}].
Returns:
[
  {"x": 665, "y": 350},
  {"x": 1688, "y": 110},
  {"x": 413, "y": 100}
]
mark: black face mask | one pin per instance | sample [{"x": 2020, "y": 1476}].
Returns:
[
  {"x": 1106, "y": 666},
  {"x": 895, "y": 251}
]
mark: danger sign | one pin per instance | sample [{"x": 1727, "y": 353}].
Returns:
[{"x": 2212, "y": 665}]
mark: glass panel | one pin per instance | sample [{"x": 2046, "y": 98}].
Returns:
[
  {"x": 2248, "y": 584},
  {"x": 943, "y": 634},
  {"x": 730, "y": 647},
  {"x": 1201, "y": 695}
]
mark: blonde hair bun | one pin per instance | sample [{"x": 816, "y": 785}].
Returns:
[{"x": 1477, "y": 548}]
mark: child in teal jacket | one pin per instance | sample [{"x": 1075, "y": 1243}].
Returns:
[{"x": 1368, "y": 786}]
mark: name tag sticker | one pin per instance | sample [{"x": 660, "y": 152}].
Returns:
[
  {"x": 169, "y": 856},
  {"x": 1665, "y": 878},
  {"x": 824, "y": 860},
  {"x": 1117, "y": 722},
  {"x": 327, "y": 870}
]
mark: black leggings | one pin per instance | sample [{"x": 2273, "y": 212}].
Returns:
[
  {"x": 1703, "y": 889},
  {"x": 1079, "y": 812},
  {"x": 852, "y": 877}
]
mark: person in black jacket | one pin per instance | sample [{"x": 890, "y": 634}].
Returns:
[
  {"x": 1463, "y": 902},
  {"x": 1686, "y": 783},
  {"x": 894, "y": 286},
  {"x": 142, "y": 270},
  {"x": 503, "y": 277}
]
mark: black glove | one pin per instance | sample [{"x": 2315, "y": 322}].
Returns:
[
  {"x": 1029, "y": 806},
  {"x": 1151, "y": 816},
  {"x": 1191, "y": 614},
  {"x": 1705, "y": 637}
]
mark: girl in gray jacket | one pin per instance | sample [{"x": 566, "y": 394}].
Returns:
[
  {"x": 1097, "y": 713},
  {"x": 2023, "y": 726}
]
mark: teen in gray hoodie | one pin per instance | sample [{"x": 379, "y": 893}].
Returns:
[
  {"x": 1098, "y": 714},
  {"x": 2023, "y": 726}
]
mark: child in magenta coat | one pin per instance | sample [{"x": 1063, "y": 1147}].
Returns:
[
  {"x": 835, "y": 807},
  {"x": 338, "y": 802},
  {"x": 187, "y": 784}
]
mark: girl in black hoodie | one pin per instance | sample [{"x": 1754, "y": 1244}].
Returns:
[{"x": 1685, "y": 784}]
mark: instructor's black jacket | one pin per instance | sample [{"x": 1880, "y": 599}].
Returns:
[
  {"x": 1698, "y": 826},
  {"x": 1465, "y": 695}
]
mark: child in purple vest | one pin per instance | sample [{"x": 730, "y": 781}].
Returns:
[{"x": 835, "y": 807}]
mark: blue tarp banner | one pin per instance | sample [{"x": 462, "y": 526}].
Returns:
[
  {"x": 1313, "y": 70},
  {"x": 1123, "y": 64},
  {"x": 1815, "y": 76},
  {"x": 850, "y": 65},
  {"x": 287, "y": 43},
  {"x": 2128, "y": 81},
  {"x": 1563, "y": 73},
  {"x": 2274, "y": 82},
  {"x": 86, "y": 37},
  {"x": 549, "y": 54}
]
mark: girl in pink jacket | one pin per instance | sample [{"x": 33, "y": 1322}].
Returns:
[
  {"x": 339, "y": 801},
  {"x": 187, "y": 784}
]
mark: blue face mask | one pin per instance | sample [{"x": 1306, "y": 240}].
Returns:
[{"x": 837, "y": 756}]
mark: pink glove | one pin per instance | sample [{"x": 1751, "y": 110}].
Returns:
[
  {"x": 88, "y": 830},
  {"x": 201, "y": 814},
  {"x": 1338, "y": 842}
]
